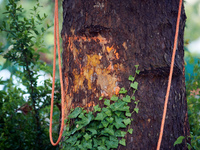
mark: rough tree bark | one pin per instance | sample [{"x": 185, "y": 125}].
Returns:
[{"x": 104, "y": 39}]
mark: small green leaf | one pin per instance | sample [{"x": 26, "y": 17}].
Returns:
[
  {"x": 133, "y": 97},
  {"x": 130, "y": 131},
  {"x": 123, "y": 133},
  {"x": 109, "y": 130},
  {"x": 110, "y": 119},
  {"x": 137, "y": 71},
  {"x": 100, "y": 116},
  {"x": 75, "y": 113},
  {"x": 92, "y": 130},
  {"x": 108, "y": 112},
  {"x": 118, "y": 123},
  {"x": 97, "y": 108},
  {"x": 118, "y": 113},
  {"x": 105, "y": 123},
  {"x": 100, "y": 98},
  {"x": 128, "y": 114},
  {"x": 179, "y": 140},
  {"x": 120, "y": 133},
  {"x": 127, "y": 99},
  {"x": 134, "y": 85},
  {"x": 136, "y": 110},
  {"x": 131, "y": 78},
  {"x": 87, "y": 145},
  {"x": 119, "y": 106},
  {"x": 84, "y": 120},
  {"x": 136, "y": 66},
  {"x": 127, "y": 121},
  {"x": 87, "y": 137},
  {"x": 114, "y": 98},
  {"x": 122, "y": 142},
  {"x": 123, "y": 91},
  {"x": 107, "y": 102},
  {"x": 111, "y": 144},
  {"x": 136, "y": 102}
]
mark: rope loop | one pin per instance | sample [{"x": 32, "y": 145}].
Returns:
[{"x": 56, "y": 38}]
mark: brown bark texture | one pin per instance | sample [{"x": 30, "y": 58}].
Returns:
[{"x": 104, "y": 39}]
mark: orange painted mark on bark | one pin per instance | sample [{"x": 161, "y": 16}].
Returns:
[
  {"x": 117, "y": 55},
  {"x": 110, "y": 67},
  {"x": 117, "y": 89},
  {"x": 92, "y": 70},
  {"x": 100, "y": 57},
  {"x": 124, "y": 45},
  {"x": 91, "y": 103},
  {"x": 109, "y": 48},
  {"x": 88, "y": 72}
]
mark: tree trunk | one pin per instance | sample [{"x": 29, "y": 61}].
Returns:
[{"x": 103, "y": 41}]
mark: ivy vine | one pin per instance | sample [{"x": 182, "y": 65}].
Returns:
[{"x": 103, "y": 128}]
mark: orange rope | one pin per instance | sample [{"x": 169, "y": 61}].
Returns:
[
  {"x": 170, "y": 77},
  {"x": 56, "y": 37}
]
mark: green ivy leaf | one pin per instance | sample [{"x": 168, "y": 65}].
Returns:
[
  {"x": 75, "y": 113},
  {"x": 84, "y": 120},
  {"x": 130, "y": 131},
  {"x": 108, "y": 130},
  {"x": 100, "y": 98},
  {"x": 93, "y": 131},
  {"x": 107, "y": 102},
  {"x": 136, "y": 66},
  {"x": 72, "y": 140},
  {"x": 119, "y": 106},
  {"x": 100, "y": 116},
  {"x": 107, "y": 111},
  {"x": 133, "y": 97},
  {"x": 118, "y": 123},
  {"x": 127, "y": 121},
  {"x": 131, "y": 78},
  {"x": 112, "y": 144},
  {"x": 127, "y": 99},
  {"x": 128, "y": 114},
  {"x": 77, "y": 143},
  {"x": 87, "y": 145},
  {"x": 123, "y": 91},
  {"x": 87, "y": 137},
  {"x": 137, "y": 71},
  {"x": 122, "y": 142},
  {"x": 110, "y": 119},
  {"x": 96, "y": 142},
  {"x": 120, "y": 133},
  {"x": 118, "y": 113},
  {"x": 179, "y": 140},
  {"x": 105, "y": 123},
  {"x": 97, "y": 108},
  {"x": 114, "y": 98},
  {"x": 136, "y": 110},
  {"x": 134, "y": 85},
  {"x": 123, "y": 133}
]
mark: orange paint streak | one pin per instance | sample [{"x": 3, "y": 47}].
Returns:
[
  {"x": 110, "y": 67},
  {"x": 109, "y": 48},
  {"x": 91, "y": 104},
  {"x": 100, "y": 57},
  {"x": 93, "y": 67},
  {"x": 117, "y": 89},
  {"x": 117, "y": 55}
]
